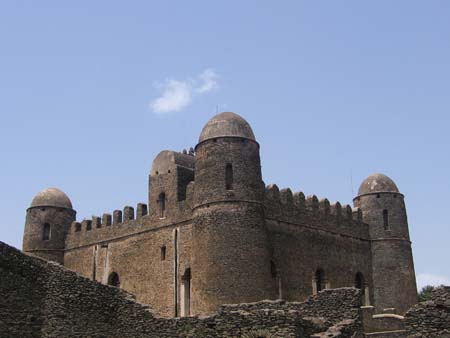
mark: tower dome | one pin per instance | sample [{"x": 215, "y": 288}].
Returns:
[
  {"x": 51, "y": 197},
  {"x": 377, "y": 183},
  {"x": 226, "y": 124}
]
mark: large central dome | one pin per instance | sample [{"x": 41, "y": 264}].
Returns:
[{"x": 226, "y": 125}]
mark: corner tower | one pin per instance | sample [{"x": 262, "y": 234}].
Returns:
[
  {"x": 47, "y": 222},
  {"x": 383, "y": 208},
  {"x": 231, "y": 262}
]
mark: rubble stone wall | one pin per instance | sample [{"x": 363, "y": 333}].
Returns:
[
  {"x": 430, "y": 319},
  {"x": 43, "y": 299}
]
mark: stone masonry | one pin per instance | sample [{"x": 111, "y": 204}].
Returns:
[{"x": 212, "y": 233}]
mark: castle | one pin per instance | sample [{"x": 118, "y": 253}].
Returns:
[{"x": 213, "y": 234}]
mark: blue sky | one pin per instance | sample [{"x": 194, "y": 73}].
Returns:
[{"x": 90, "y": 92}]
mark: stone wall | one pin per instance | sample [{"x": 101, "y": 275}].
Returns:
[
  {"x": 430, "y": 319},
  {"x": 43, "y": 299}
]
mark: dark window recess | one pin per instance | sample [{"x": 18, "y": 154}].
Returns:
[
  {"x": 113, "y": 279},
  {"x": 386, "y": 219},
  {"x": 359, "y": 281},
  {"x": 273, "y": 269},
  {"x": 229, "y": 177},
  {"x": 162, "y": 205},
  {"x": 163, "y": 252},
  {"x": 320, "y": 280},
  {"x": 47, "y": 232}
]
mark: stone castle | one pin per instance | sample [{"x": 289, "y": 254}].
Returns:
[{"x": 212, "y": 234}]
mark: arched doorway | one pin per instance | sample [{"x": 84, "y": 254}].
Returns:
[
  {"x": 113, "y": 279},
  {"x": 360, "y": 283},
  {"x": 319, "y": 282}
]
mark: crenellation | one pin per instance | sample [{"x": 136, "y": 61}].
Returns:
[
  {"x": 76, "y": 226},
  {"x": 299, "y": 200},
  {"x": 107, "y": 219},
  {"x": 117, "y": 217},
  {"x": 128, "y": 213},
  {"x": 286, "y": 197},
  {"x": 324, "y": 206},
  {"x": 312, "y": 203},
  {"x": 336, "y": 209},
  {"x": 141, "y": 210},
  {"x": 347, "y": 211},
  {"x": 86, "y": 225},
  {"x": 273, "y": 193},
  {"x": 96, "y": 222}
]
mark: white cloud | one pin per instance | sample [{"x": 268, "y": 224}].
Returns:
[
  {"x": 177, "y": 95},
  {"x": 424, "y": 279},
  {"x": 209, "y": 81}
]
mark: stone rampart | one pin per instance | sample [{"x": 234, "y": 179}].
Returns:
[
  {"x": 430, "y": 319},
  {"x": 43, "y": 299},
  {"x": 121, "y": 224},
  {"x": 296, "y": 209}
]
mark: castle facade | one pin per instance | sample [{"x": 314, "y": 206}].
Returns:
[{"x": 212, "y": 234}]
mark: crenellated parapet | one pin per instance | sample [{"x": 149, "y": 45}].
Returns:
[
  {"x": 294, "y": 208},
  {"x": 99, "y": 228},
  {"x": 127, "y": 221}
]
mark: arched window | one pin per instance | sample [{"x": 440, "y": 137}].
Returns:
[
  {"x": 359, "y": 281},
  {"x": 320, "y": 280},
  {"x": 162, "y": 205},
  {"x": 186, "y": 293},
  {"x": 113, "y": 279},
  {"x": 386, "y": 219},
  {"x": 46, "y": 232},
  {"x": 229, "y": 177}
]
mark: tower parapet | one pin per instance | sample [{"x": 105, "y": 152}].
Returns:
[{"x": 311, "y": 211}]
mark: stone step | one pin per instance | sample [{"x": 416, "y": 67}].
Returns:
[{"x": 387, "y": 334}]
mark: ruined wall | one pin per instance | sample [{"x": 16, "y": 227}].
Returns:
[
  {"x": 430, "y": 319},
  {"x": 308, "y": 234},
  {"x": 43, "y": 299}
]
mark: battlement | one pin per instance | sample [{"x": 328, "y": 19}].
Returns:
[
  {"x": 124, "y": 222},
  {"x": 295, "y": 208}
]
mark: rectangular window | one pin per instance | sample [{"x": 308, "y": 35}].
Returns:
[
  {"x": 229, "y": 177},
  {"x": 386, "y": 219},
  {"x": 163, "y": 252}
]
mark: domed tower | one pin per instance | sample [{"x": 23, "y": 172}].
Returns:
[
  {"x": 231, "y": 261},
  {"x": 393, "y": 277},
  {"x": 47, "y": 222}
]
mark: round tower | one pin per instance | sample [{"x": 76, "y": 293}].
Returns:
[
  {"x": 231, "y": 262},
  {"x": 393, "y": 277},
  {"x": 47, "y": 222}
]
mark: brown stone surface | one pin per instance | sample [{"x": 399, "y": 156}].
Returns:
[
  {"x": 43, "y": 299},
  {"x": 210, "y": 236}
]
